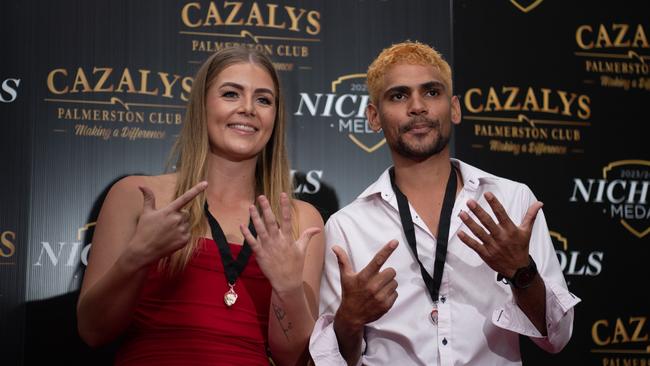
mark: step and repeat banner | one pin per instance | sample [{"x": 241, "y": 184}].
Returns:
[
  {"x": 92, "y": 91},
  {"x": 556, "y": 94}
]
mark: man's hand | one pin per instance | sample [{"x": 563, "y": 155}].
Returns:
[{"x": 503, "y": 245}]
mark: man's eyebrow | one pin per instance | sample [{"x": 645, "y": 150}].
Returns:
[{"x": 426, "y": 86}]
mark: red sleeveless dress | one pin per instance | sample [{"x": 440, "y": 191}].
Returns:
[{"x": 182, "y": 319}]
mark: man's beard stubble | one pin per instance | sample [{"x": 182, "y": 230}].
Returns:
[{"x": 421, "y": 151}]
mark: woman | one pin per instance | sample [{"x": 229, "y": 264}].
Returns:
[{"x": 168, "y": 271}]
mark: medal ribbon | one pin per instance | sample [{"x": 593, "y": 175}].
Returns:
[
  {"x": 233, "y": 268},
  {"x": 433, "y": 284}
]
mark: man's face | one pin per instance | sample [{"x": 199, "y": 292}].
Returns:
[{"x": 415, "y": 111}]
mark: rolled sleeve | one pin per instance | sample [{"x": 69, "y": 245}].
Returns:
[{"x": 559, "y": 319}]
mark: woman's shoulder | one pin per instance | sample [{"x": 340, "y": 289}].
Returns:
[
  {"x": 307, "y": 213},
  {"x": 129, "y": 188}
]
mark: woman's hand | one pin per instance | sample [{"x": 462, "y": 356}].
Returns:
[
  {"x": 161, "y": 232},
  {"x": 280, "y": 257}
]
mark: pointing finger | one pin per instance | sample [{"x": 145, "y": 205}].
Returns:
[
  {"x": 345, "y": 268},
  {"x": 186, "y": 197},
  {"x": 379, "y": 259}
]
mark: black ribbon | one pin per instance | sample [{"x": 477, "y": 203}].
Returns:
[
  {"x": 433, "y": 284},
  {"x": 232, "y": 267}
]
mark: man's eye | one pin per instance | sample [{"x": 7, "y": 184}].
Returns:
[{"x": 398, "y": 96}]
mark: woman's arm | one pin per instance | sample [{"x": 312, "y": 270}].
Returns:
[
  {"x": 294, "y": 269},
  {"x": 130, "y": 235}
]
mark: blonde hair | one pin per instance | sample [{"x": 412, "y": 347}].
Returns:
[
  {"x": 192, "y": 147},
  {"x": 414, "y": 53}
]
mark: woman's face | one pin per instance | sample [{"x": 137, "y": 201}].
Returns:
[{"x": 240, "y": 111}]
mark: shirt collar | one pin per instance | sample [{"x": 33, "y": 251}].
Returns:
[{"x": 473, "y": 178}]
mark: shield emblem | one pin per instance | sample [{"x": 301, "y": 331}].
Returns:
[
  {"x": 526, "y": 8},
  {"x": 638, "y": 170},
  {"x": 368, "y": 142}
]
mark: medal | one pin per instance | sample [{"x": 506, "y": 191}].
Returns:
[
  {"x": 232, "y": 267},
  {"x": 434, "y": 314},
  {"x": 230, "y": 297}
]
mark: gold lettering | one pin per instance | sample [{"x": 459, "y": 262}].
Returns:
[
  {"x": 546, "y": 102},
  {"x": 585, "y": 110},
  {"x": 640, "y": 39},
  {"x": 566, "y": 103},
  {"x": 640, "y": 320},
  {"x": 236, "y": 6},
  {"x": 594, "y": 332},
  {"x": 4, "y": 240},
  {"x": 619, "y": 332},
  {"x": 255, "y": 14},
  {"x": 603, "y": 38},
  {"x": 580, "y": 38},
  {"x": 127, "y": 80},
  {"x": 106, "y": 72},
  {"x": 531, "y": 99},
  {"x": 167, "y": 84},
  {"x": 272, "y": 23},
  {"x": 144, "y": 78},
  {"x": 513, "y": 90},
  {"x": 492, "y": 99},
  {"x": 213, "y": 13},
  {"x": 80, "y": 79},
  {"x": 185, "y": 14},
  {"x": 50, "y": 81},
  {"x": 468, "y": 100},
  {"x": 294, "y": 19},
  {"x": 186, "y": 85},
  {"x": 313, "y": 18},
  {"x": 622, "y": 31}
]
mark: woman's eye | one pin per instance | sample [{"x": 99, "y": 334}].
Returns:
[
  {"x": 264, "y": 100},
  {"x": 230, "y": 94}
]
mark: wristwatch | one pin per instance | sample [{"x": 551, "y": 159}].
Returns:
[{"x": 523, "y": 277}]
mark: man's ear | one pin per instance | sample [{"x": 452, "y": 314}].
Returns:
[
  {"x": 372, "y": 113},
  {"x": 456, "y": 114}
]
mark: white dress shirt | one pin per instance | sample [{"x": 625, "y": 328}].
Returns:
[{"x": 478, "y": 320}]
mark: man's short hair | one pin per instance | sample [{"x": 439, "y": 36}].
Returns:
[{"x": 413, "y": 53}]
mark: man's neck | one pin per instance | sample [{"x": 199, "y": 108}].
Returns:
[{"x": 422, "y": 178}]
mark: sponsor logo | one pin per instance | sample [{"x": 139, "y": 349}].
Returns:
[
  {"x": 576, "y": 263},
  {"x": 622, "y": 341},
  {"x": 622, "y": 192},
  {"x": 64, "y": 253},
  {"x": 9, "y": 90},
  {"x": 344, "y": 109},
  {"x": 527, "y": 120},
  {"x": 614, "y": 55},
  {"x": 525, "y": 6},
  {"x": 308, "y": 182},
  {"x": 116, "y": 103},
  {"x": 7, "y": 247},
  {"x": 286, "y": 33}
]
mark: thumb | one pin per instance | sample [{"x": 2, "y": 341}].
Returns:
[
  {"x": 149, "y": 203},
  {"x": 305, "y": 238},
  {"x": 531, "y": 214},
  {"x": 345, "y": 268}
]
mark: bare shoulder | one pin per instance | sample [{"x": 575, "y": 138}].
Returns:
[
  {"x": 126, "y": 191},
  {"x": 308, "y": 215}
]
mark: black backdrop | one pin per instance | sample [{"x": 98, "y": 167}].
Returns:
[{"x": 553, "y": 95}]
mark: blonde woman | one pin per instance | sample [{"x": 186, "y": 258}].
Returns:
[{"x": 214, "y": 264}]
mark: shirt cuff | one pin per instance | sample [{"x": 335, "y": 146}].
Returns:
[
  {"x": 323, "y": 345},
  {"x": 559, "y": 318}
]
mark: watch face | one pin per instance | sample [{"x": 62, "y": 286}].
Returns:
[{"x": 524, "y": 276}]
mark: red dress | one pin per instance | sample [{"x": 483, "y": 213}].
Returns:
[{"x": 182, "y": 319}]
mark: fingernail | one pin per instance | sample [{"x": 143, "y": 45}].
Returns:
[
  {"x": 392, "y": 244},
  {"x": 471, "y": 204}
]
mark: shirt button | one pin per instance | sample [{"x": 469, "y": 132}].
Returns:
[
  {"x": 444, "y": 341},
  {"x": 443, "y": 299}
]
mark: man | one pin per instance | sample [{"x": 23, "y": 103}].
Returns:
[{"x": 474, "y": 267}]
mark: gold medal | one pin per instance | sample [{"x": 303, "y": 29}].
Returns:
[
  {"x": 434, "y": 314},
  {"x": 230, "y": 297}
]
